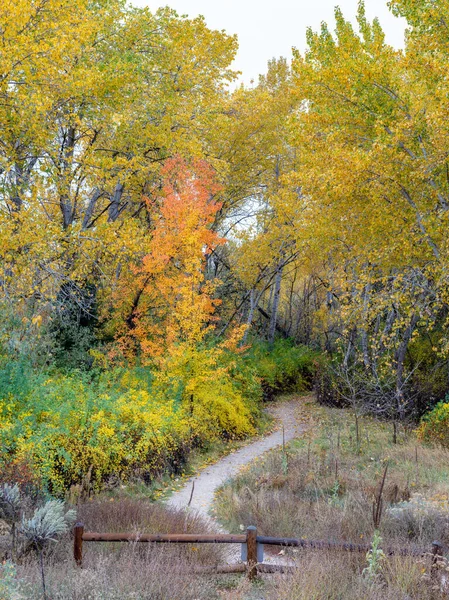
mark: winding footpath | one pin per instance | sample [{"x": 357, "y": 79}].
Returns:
[{"x": 213, "y": 476}]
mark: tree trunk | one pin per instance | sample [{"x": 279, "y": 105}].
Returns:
[
  {"x": 364, "y": 330},
  {"x": 275, "y": 306},
  {"x": 65, "y": 203},
  {"x": 400, "y": 359},
  {"x": 91, "y": 208},
  {"x": 114, "y": 209},
  {"x": 253, "y": 301},
  {"x": 20, "y": 177},
  {"x": 348, "y": 352},
  {"x": 357, "y": 430}
]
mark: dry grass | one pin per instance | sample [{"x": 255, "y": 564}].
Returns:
[
  {"x": 324, "y": 488},
  {"x": 338, "y": 577},
  {"x": 126, "y": 571},
  {"x": 128, "y": 574}
]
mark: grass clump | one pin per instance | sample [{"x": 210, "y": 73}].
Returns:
[{"x": 327, "y": 576}]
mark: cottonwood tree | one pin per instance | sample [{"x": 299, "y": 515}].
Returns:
[
  {"x": 96, "y": 97},
  {"x": 373, "y": 177}
]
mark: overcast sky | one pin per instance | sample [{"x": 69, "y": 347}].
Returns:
[{"x": 269, "y": 28}]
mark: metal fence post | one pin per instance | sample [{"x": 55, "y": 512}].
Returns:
[
  {"x": 437, "y": 553},
  {"x": 260, "y": 551}
]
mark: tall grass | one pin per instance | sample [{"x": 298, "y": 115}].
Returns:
[
  {"x": 324, "y": 488},
  {"x": 124, "y": 571},
  {"x": 327, "y": 576}
]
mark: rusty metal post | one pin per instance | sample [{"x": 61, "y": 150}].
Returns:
[
  {"x": 260, "y": 553},
  {"x": 251, "y": 544},
  {"x": 78, "y": 544}
]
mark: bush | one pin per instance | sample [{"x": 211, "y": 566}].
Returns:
[
  {"x": 425, "y": 380},
  {"x": 283, "y": 367},
  {"x": 434, "y": 427},
  {"x": 428, "y": 382},
  {"x": 84, "y": 428},
  {"x": 327, "y": 388},
  {"x": 59, "y": 430},
  {"x": 420, "y": 517}
]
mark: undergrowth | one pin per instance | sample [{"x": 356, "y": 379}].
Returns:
[{"x": 82, "y": 431}]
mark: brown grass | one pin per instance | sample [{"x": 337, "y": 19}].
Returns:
[
  {"x": 339, "y": 577},
  {"x": 324, "y": 488},
  {"x": 127, "y": 571}
]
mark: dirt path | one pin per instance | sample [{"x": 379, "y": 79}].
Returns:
[{"x": 213, "y": 476}]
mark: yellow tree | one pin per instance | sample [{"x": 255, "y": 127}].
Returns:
[
  {"x": 96, "y": 97},
  {"x": 373, "y": 175},
  {"x": 253, "y": 157}
]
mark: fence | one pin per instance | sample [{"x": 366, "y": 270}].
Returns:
[{"x": 252, "y": 547}]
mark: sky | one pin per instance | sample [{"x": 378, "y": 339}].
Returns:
[{"x": 269, "y": 28}]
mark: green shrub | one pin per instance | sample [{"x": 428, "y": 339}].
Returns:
[
  {"x": 428, "y": 380},
  {"x": 434, "y": 427},
  {"x": 83, "y": 428},
  {"x": 60, "y": 429},
  {"x": 283, "y": 367}
]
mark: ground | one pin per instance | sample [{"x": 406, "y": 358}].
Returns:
[{"x": 308, "y": 478}]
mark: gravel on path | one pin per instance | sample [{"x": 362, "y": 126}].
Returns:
[{"x": 213, "y": 476}]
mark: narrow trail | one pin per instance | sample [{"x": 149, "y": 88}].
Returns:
[{"x": 213, "y": 476}]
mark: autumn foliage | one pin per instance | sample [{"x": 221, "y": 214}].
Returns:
[
  {"x": 155, "y": 224},
  {"x": 166, "y": 300}
]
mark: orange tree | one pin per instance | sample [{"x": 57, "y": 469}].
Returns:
[{"x": 163, "y": 308}]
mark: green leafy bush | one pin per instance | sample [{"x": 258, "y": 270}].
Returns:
[
  {"x": 83, "y": 428},
  {"x": 434, "y": 427},
  {"x": 283, "y": 367},
  {"x": 60, "y": 429}
]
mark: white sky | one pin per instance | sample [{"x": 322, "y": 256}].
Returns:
[{"x": 268, "y": 28}]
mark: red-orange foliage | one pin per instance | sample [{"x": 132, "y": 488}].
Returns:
[{"x": 166, "y": 299}]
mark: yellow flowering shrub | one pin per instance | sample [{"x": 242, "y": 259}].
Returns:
[
  {"x": 120, "y": 424},
  {"x": 129, "y": 422},
  {"x": 434, "y": 427}
]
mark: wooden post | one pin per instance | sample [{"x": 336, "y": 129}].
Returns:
[
  {"x": 437, "y": 552},
  {"x": 251, "y": 544},
  {"x": 78, "y": 544}
]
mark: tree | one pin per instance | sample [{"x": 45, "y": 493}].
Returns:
[
  {"x": 97, "y": 96},
  {"x": 258, "y": 216},
  {"x": 373, "y": 178},
  {"x": 166, "y": 300}
]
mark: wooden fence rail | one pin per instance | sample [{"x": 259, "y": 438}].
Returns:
[
  {"x": 347, "y": 546},
  {"x": 252, "y": 547}
]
